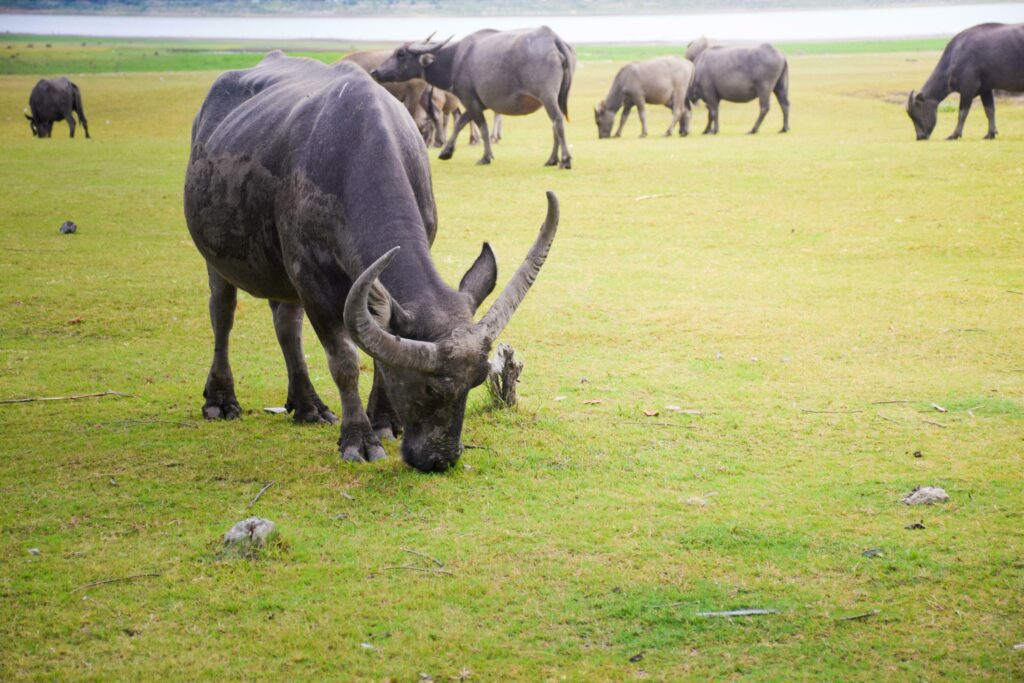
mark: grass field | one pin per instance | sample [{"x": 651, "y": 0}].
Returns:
[{"x": 811, "y": 294}]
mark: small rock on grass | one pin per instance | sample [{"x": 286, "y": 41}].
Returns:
[
  {"x": 925, "y": 495},
  {"x": 251, "y": 533},
  {"x": 68, "y": 228}
]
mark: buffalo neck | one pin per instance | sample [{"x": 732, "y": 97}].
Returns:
[
  {"x": 613, "y": 100},
  {"x": 441, "y": 71},
  {"x": 937, "y": 86}
]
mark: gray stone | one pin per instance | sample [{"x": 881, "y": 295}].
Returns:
[
  {"x": 925, "y": 495},
  {"x": 253, "y": 532},
  {"x": 68, "y": 228}
]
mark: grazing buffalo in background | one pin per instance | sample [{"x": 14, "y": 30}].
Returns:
[
  {"x": 304, "y": 184},
  {"x": 55, "y": 100},
  {"x": 698, "y": 46},
  {"x": 976, "y": 61},
  {"x": 511, "y": 72},
  {"x": 663, "y": 80},
  {"x": 739, "y": 74}
]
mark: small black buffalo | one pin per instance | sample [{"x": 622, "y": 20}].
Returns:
[
  {"x": 976, "y": 62},
  {"x": 54, "y": 100}
]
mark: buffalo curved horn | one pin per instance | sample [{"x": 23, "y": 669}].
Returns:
[
  {"x": 429, "y": 37},
  {"x": 372, "y": 338},
  {"x": 428, "y": 48},
  {"x": 910, "y": 99},
  {"x": 501, "y": 312}
]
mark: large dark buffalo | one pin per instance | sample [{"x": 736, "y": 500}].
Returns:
[
  {"x": 739, "y": 74},
  {"x": 662, "y": 80},
  {"x": 55, "y": 100},
  {"x": 305, "y": 183},
  {"x": 976, "y": 62},
  {"x": 511, "y": 72}
]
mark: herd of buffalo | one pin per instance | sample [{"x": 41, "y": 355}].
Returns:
[{"x": 308, "y": 185}]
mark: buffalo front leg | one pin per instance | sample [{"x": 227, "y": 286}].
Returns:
[
  {"x": 357, "y": 442},
  {"x": 965, "y": 109},
  {"x": 988, "y": 101},
  {"x": 641, "y": 111},
  {"x": 712, "y": 126},
  {"x": 485, "y": 137},
  {"x": 383, "y": 418},
  {"x": 303, "y": 402},
  {"x": 449, "y": 146},
  {"x": 71, "y": 122},
  {"x": 219, "y": 392},
  {"x": 626, "y": 108}
]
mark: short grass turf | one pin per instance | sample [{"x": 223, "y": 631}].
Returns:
[{"x": 843, "y": 268}]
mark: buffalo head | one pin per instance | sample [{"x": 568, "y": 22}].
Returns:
[
  {"x": 38, "y": 128},
  {"x": 923, "y": 113},
  {"x": 429, "y": 360},
  {"x": 408, "y": 61},
  {"x": 605, "y": 118}
]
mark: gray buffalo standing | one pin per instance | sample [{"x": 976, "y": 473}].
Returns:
[
  {"x": 304, "y": 184},
  {"x": 511, "y": 72},
  {"x": 55, "y": 100},
  {"x": 976, "y": 62},
  {"x": 663, "y": 80},
  {"x": 740, "y": 74}
]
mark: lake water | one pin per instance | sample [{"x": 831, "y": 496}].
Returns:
[{"x": 786, "y": 25}]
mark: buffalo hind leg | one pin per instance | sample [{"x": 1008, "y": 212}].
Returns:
[
  {"x": 303, "y": 402},
  {"x": 783, "y": 98},
  {"x": 220, "y": 384},
  {"x": 558, "y": 127},
  {"x": 764, "y": 102},
  {"x": 988, "y": 100},
  {"x": 71, "y": 122},
  {"x": 485, "y": 137},
  {"x": 383, "y": 418},
  {"x": 712, "y": 127}
]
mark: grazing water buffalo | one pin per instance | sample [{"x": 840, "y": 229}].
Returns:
[
  {"x": 975, "y": 62},
  {"x": 511, "y": 72},
  {"x": 663, "y": 80},
  {"x": 698, "y": 46},
  {"x": 304, "y": 184},
  {"x": 739, "y": 74},
  {"x": 55, "y": 100}
]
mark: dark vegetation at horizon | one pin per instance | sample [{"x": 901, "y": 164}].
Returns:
[{"x": 418, "y": 7}]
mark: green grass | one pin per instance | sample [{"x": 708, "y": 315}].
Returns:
[
  {"x": 753, "y": 278},
  {"x": 49, "y": 55}
]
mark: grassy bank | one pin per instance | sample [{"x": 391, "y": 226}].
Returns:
[
  {"x": 814, "y": 296},
  {"x": 49, "y": 55}
]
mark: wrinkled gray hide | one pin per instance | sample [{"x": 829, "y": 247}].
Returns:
[
  {"x": 663, "y": 80},
  {"x": 410, "y": 92},
  {"x": 510, "y": 72},
  {"x": 55, "y": 100},
  {"x": 304, "y": 184},
  {"x": 977, "y": 61},
  {"x": 740, "y": 74}
]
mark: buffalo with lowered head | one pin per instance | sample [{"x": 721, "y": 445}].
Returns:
[
  {"x": 511, "y": 72},
  {"x": 739, "y": 74},
  {"x": 309, "y": 185},
  {"x": 663, "y": 80},
  {"x": 55, "y": 100},
  {"x": 976, "y": 62}
]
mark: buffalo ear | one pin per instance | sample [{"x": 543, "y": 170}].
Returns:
[
  {"x": 426, "y": 60},
  {"x": 479, "y": 280}
]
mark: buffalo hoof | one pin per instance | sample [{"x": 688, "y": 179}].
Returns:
[
  {"x": 360, "y": 445},
  {"x": 784, "y": 130},
  {"x": 445, "y": 155},
  {"x": 314, "y": 412},
  {"x": 566, "y": 164},
  {"x": 484, "y": 161},
  {"x": 387, "y": 428},
  {"x": 991, "y": 136},
  {"x": 225, "y": 409},
  {"x": 551, "y": 162},
  {"x": 954, "y": 136}
]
